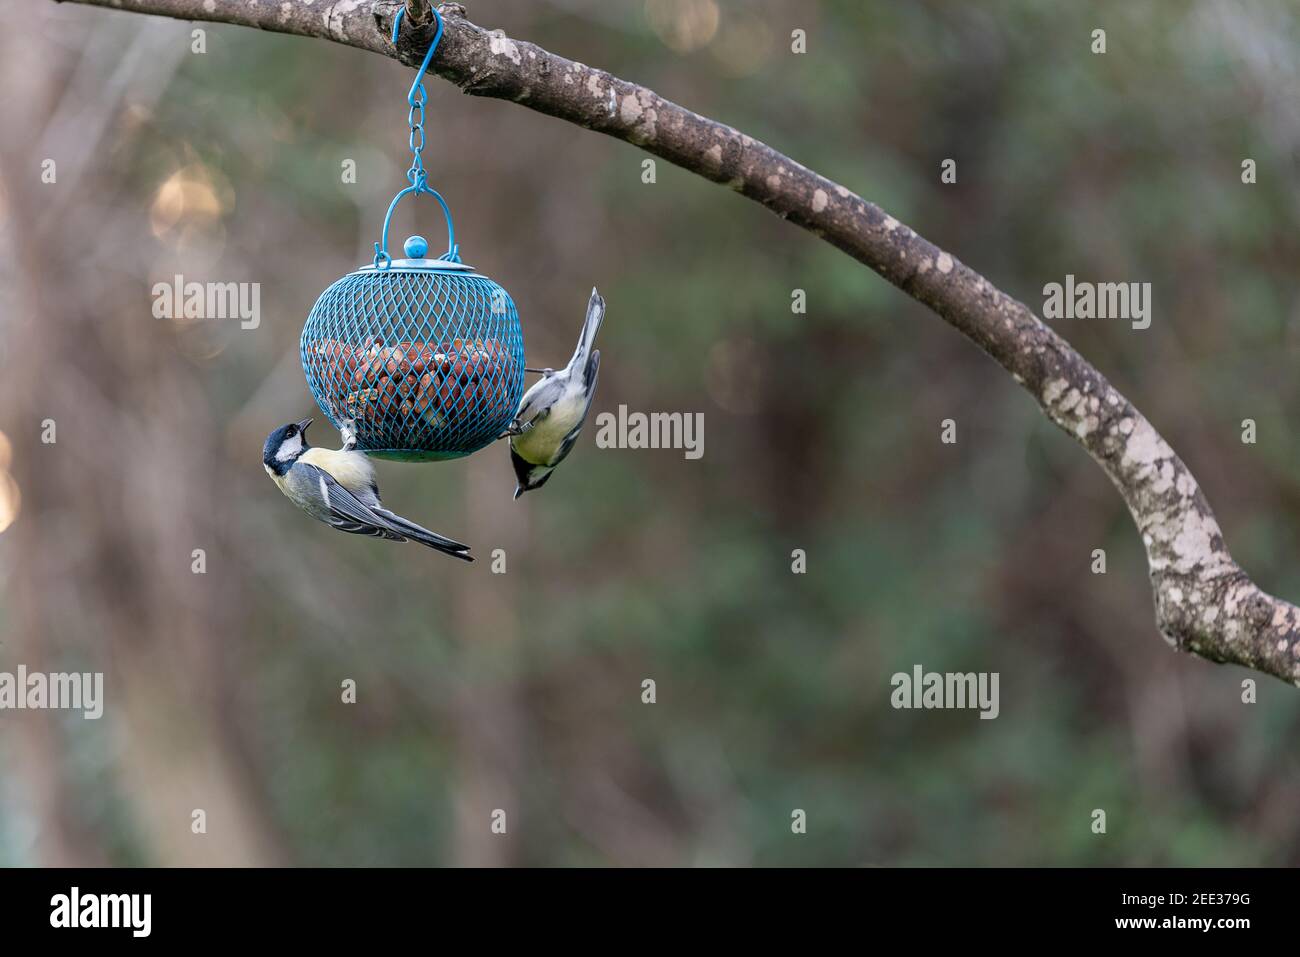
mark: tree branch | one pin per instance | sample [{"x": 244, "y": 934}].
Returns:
[{"x": 1204, "y": 602}]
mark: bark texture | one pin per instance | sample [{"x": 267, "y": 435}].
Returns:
[{"x": 1204, "y": 602}]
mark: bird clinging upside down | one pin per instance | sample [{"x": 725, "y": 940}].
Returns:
[
  {"x": 339, "y": 489},
  {"x": 552, "y": 412}
]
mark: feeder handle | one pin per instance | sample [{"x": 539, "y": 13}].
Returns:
[
  {"x": 381, "y": 248},
  {"x": 416, "y": 98}
]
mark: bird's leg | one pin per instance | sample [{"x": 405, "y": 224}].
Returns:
[{"x": 348, "y": 431}]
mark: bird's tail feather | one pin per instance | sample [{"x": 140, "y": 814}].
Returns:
[
  {"x": 422, "y": 535},
  {"x": 590, "y": 326}
]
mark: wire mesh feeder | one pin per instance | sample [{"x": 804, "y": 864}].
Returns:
[
  {"x": 422, "y": 360},
  {"x": 418, "y": 359}
]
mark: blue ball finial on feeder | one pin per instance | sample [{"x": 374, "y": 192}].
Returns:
[{"x": 417, "y": 247}]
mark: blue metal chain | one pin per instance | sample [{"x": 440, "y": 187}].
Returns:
[
  {"x": 415, "y": 116},
  {"x": 417, "y": 175}
]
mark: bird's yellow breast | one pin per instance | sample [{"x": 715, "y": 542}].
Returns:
[
  {"x": 352, "y": 470},
  {"x": 539, "y": 444}
]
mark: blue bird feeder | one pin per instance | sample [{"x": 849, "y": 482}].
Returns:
[{"x": 419, "y": 359}]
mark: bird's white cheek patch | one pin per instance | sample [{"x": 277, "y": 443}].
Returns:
[{"x": 288, "y": 449}]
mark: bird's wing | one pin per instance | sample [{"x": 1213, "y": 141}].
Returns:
[
  {"x": 590, "y": 375},
  {"x": 538, "y": 400},
  {"x": 566, "y": 446},
  {"x": 347, "y": 513}
]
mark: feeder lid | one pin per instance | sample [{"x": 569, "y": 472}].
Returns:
[
  {"x": 416, "y": 248},
  {"x": 419, "y": 265}
]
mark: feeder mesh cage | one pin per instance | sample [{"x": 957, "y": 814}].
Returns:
[{"x": 423, "y": 359}]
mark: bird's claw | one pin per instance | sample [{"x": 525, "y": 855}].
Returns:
[
  {"x": 348, "y": 432},
  {"x": 516, "y": 429}
]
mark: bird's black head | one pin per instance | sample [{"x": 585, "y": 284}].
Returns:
[
  {"x": 527, "y": 475},
  {"x": 284, "y": 445}
]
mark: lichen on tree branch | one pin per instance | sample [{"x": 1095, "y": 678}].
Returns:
[{"x": 1204, "y": 602}]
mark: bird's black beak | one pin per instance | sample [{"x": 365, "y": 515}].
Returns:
[{"x": 302, "y": 426}]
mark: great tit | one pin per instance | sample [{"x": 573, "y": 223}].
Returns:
[
  {"x": 339, "y": 489},
  {"x": 552, "y": 412}
]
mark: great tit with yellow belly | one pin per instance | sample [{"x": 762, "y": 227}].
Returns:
[
  {"x": 339, "y": 489},
  {"x": 552, "y": 412}
]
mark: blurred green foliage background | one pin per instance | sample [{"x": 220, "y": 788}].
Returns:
[{"x": 522, "y": 691}]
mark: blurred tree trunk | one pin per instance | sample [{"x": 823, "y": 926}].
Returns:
[{"x": 99, "y": 559}]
